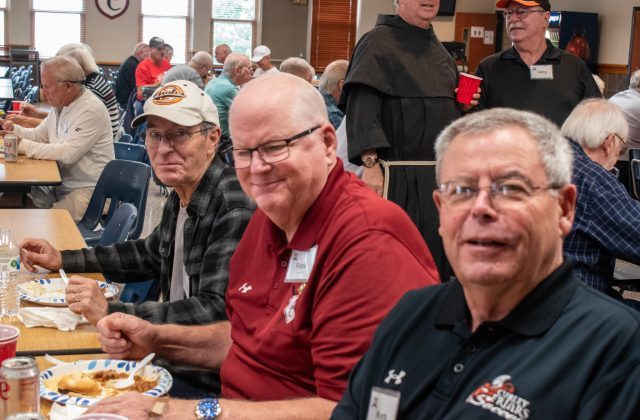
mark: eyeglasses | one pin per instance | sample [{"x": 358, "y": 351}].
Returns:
[
  {"x": 174, "y": 138},
  {"x": 270, "y": 152},
  {"x": 521, "y": 12},
  {"x": 624, "y": 143},
  {"x": 505, "y": 191}
]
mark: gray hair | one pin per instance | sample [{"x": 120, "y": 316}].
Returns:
[
  {"x": 203, "y": 58},
  {"x": 634, "y": 82},
  {"x": 332, "y": 75},
  {"x": 82, "y": 55},
  {"x": 139, "y": 47},
  {"x": 224, "y": 47},
  {"x": 554, "y": 149},
  {"x": 233, "y": 61},
  {"x": 298, "y": 67},
  {"x": 592, "y": 121},
  {"x": 64, "y": 68}
]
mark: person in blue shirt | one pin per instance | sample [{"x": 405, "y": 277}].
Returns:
[{"x": 607, "y": 221}]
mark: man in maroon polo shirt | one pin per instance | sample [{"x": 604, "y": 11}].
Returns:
[{"x": 320, "y": 264}]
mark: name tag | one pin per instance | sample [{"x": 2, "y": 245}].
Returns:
[
  {"x": 300, "y": 265},
  {"x": 544, "y": 72},
  {"x": 383, "y": 404}
]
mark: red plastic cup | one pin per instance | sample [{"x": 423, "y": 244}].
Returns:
[
  {"x": 8, "y": 341},
  {"x": 467, "y": 86},
  {"x": 17, "y": 105}
]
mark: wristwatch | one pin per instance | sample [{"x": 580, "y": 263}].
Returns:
[
  {"x": 208, "y": 409},
  {"x": 370, "y": 161}
]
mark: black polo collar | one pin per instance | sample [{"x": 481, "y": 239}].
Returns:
[
  {"x": 533, "y": 315},
  {"x": 551, "y": 55}
]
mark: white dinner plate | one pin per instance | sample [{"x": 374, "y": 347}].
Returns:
[
  {"x": 50, "y": 292},
  {"x": 165, "y": 381}
]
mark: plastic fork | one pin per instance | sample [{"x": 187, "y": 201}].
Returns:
[
  {"x": 128, "y": 382},
  {"x": 65, "y": 279}
]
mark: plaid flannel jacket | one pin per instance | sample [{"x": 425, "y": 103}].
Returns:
[{"x": 219, "y": 212}]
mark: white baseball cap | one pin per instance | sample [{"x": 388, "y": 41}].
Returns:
[
  {"x": 260, "y": 52},
  {"x": 182, "y": 103}
]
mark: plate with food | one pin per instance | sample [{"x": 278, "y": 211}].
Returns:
[
  {"x": 50, "y": 292},
  {"x": 85, "y": 382}
]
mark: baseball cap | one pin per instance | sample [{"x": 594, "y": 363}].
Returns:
[
  {"x": 260, "y": 52},
  {"x": 502, "y": 4},
  {"x": 182, "y": 103},
  {"x": 156, "y": 42}
]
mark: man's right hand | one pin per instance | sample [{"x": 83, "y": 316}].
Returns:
[
  {"x": 39, "y": 252},
  {"x": 126, "y": 336},
  {"x": 374, "y": 178}
]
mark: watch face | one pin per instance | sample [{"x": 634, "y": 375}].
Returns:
[{"x": 208, "y": 409}]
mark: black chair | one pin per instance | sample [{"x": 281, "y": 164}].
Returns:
[
  {"x": 121, "y": 181},
  {"x": 634, "y": 172}
]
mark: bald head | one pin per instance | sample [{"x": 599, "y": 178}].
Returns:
[{"x": 287, "y": 177}]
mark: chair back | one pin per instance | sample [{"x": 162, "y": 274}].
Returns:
[
  {"x": 126, "y": 138},
  {"x": 140, "y": 291},
  {"x": 117, "y": 229},
  {"x": 130, "y": 151},
  {"x": 634, "y": 172},
  {"x": 121, "y": 181}
]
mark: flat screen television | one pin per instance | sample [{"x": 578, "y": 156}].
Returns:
[{"x": 447, "y": 8}]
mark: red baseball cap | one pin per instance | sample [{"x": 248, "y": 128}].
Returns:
[{"x": 502, "y": 4}]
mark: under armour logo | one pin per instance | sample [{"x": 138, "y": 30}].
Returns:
[
  {"x": 245, "y": 288},
  {"x": 395, "y": 377}
]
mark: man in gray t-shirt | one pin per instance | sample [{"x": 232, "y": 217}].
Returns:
[{"x": 196, "y": 70}]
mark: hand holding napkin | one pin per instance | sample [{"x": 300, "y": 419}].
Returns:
[{"x": 60, "y": 318}]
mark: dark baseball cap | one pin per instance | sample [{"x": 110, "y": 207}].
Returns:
[
  {"x": 156, "y": 42},
  {"x": 502, "y": 4}
]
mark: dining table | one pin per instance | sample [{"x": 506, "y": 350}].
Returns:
[
  {"x": 20, "y": 176},
  {"x": 57, "y": 227}
]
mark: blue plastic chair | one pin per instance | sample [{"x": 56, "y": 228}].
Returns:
[
  {"x": 126, "y": 138},
  {"x": 117, "y": 230},
  {"x": 121, "y": 181},
  {"x": 130, "y": 151},
  {"x": 140, "y": 291}
]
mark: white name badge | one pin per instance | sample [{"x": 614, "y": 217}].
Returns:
[
  {"x": 544, "y": 72},
  {"x": 383, "y": 404},
  {"x": 300, "y": 265}
]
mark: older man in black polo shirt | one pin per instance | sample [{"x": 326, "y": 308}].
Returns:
[
  {"x": 516, "y": 336},
  {"x": 533, "y": 75}
]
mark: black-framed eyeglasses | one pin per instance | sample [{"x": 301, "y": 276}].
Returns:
[
  {"x": 175, "y": 138},
  {"x": 521, "y": 12},
  {"x": 504, "y": 191},
  {"x": 624, "y": 143},
  {"x": 270, "y": 152}
]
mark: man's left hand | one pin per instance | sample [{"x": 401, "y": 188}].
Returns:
[{"x": 86, "y": 298}]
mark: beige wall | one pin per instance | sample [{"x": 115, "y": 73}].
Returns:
[{"x": 285, "y": 25}]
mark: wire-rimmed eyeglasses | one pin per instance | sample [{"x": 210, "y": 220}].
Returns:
[
  {"x": 270, "y": 152},
  {"x": 521, "y": 12}
]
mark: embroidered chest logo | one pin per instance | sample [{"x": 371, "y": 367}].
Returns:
[
  {"x": 245, "y": 288},
  {"x": 500, "y": 398},
  {"x": 395, "y": 377}
]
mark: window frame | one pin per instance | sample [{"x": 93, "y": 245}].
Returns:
[
  {"x": 254, "y": 27},
  {"x": 188, "y": 25},
  {"x": 83, "y": 22}
]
